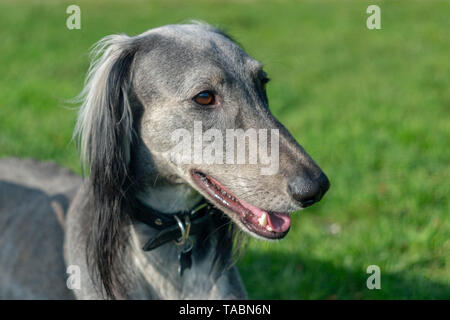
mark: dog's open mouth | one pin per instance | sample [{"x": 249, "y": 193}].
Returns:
[{"x": 271, "y": 225}]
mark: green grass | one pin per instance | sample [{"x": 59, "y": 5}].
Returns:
[{"x": 371, "y": 107}]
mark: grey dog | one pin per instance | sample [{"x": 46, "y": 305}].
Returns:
[{"x": 141, "y": 225}]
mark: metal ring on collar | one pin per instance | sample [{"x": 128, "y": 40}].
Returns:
[{"x": 185, "y": 229}]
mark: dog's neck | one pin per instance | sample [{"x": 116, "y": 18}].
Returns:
[
  {"x": 159, "y": 267},
  {"x": 159, "y": 278}
]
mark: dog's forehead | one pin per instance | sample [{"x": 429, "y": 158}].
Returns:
[
  {"x": 192, "y": 45},
  {"x": 199, "y": 37}
]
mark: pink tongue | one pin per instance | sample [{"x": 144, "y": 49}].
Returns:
[{"x": 279, "y": 222}]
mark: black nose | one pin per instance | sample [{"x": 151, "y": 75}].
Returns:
[{"x": 307, "y": 191}]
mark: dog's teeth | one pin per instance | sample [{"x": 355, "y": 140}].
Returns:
[
  {"x": 269, "y": 228},
  {"x": 263, "y": 220}
]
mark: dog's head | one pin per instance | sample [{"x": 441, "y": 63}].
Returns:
[
  {"x": 177, "y": 113},
  {"x": 184, "y": 109}
]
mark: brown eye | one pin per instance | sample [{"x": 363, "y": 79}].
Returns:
[{"x": 205, "y": 98}]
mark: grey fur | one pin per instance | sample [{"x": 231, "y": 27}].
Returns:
[
  {"x": 33, "y": 197},
  {"x": 139, "y": 90}
]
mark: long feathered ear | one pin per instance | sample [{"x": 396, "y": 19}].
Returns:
[
  {"x": 104, "y": 131},
  {"x": 105, "y": 115}
]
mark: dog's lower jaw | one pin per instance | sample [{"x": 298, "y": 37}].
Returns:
[{"x": 170, "y": 198}]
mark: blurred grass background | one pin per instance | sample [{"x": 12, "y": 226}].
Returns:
[{"x": 371, "y": 107}]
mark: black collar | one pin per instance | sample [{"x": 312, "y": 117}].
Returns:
[{"x": 175, "y": 226}]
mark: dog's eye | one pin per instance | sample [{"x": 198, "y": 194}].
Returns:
[{"x": 205, "y": 98}]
